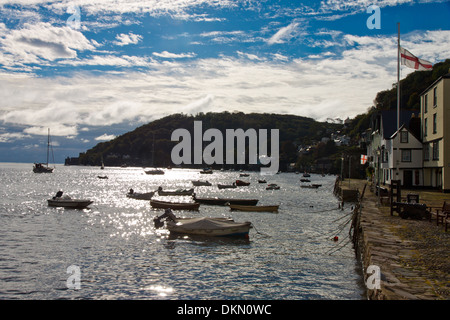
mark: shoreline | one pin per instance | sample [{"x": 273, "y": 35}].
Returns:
[{"x": 411, "y": 255}]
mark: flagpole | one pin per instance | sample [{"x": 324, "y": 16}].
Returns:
[{"x": 398, "y": 76}]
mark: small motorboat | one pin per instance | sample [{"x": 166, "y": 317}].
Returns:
[
  {"x": 272, "y": 186},
  {"x": 241, "y": 183},
  {"x": 262, "y": 181},
  {"x": 154, "y": 171},
  {"x": 306, "y": 175},
  {"x": 177, "y": 192},
  {"x": 198, "y": 183},
  {"x": 226, "y": 186},
  {"x": 174, "y": 205},
  {"x": 244, "y": 175},
  {"x": 140, "y": 195},
  {"x": 305, "y": 180},
  {"x": 310, "y": 186},
  {"x": 254, "y": 208},
  {"x": 204, "y": 226},
  {"x": 102, "y": 177},
  {"x": 67, "y": 202},
  {"x": 206, "y": 171},
  {"x": 225, "y": 201}
]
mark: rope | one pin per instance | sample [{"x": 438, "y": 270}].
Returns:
[{"x": 264, "y": 234}]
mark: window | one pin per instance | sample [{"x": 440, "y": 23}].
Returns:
[
  {"x": 404, "y": 136},
  {"x": 426, "y": 152},
  {"x": 425, "y": 127},
  {"x": 385, "y": 156},
  {"x": 425, "y": 103},
  {"x": 434, "y": 123},
  {"x": 406, "y": 155},
  {"x": 436, "y": 150},
  {"x": 435, "y": 97}
]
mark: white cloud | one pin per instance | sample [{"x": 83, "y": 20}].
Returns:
[
  {"x": 284, "y": 34},
  {"x": 126, "y": 39},
  {"x": 169, "y": 55},
  {"x": 335, "y": 86},
  {"x": 39, "y": 43},
  {"x": 105, "y": 137},
  {"x": 11, "y": 137}
]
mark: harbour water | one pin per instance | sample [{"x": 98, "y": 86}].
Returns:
[{"x": 120, "y": 255}]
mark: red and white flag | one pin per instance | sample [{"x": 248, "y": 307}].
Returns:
[
  {"x": 363, "y": 159},
  {"x": 411, "y": 61}
]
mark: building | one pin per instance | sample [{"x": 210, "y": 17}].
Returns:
[
  {"x": 435, "y": 115},
  {"x": 396, "y": 154}
]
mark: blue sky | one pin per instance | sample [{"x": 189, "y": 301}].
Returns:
[{"x": 92, "y": 70}]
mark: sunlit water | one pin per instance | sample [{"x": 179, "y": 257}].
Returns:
[{"x": 120, "y": 255}]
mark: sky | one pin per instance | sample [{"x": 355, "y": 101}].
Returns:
[{"x": 91, "y": 70}]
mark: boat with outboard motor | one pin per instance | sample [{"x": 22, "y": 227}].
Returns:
[{"x": 203, "y": 226}]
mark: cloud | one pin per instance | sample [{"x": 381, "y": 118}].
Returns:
[
  {"x": 284, "y": 34},
  {"x": 105, "y": 137},
  {"x": 341, "y": 86},
  {"x": 11, "y": 137},
  {"x": 39, "y": 43},
  {"x": 169, "y": 55},
  {"x": 126, "y": 39}
]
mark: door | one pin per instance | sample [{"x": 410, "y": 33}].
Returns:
[{"x": 407, "y": 178}]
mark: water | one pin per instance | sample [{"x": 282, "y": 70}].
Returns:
[{"x": 120, "y": 255}]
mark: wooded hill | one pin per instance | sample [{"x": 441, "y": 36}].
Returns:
[
  {"x": 151, "y": 145},
  {"x": 136, "y": 147}
]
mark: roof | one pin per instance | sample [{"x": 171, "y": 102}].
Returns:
[{"x": 389, "y": 121}]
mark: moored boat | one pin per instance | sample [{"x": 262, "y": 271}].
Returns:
[
  {"x": 225, "y": 201},
  {"x": 199, "y": 183},
  {"x": 226, "y": 186},
  {"x": 241, "y": 183},
  {"x": 43, "y": 167},
  {"x": 154, "y": 171},
  {"x": 310, "y": 186},
  {"x": 174, "y": 205},
  {"x": 177, "y": 192},
  {"x": 204, "y": 226},
  {"x": 272, "y": 186},
  {"x": 67, "y": 202},
  {"x": 140, "y": 195},
  {"x": 273, "y": 208}
]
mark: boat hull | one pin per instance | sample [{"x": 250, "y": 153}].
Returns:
[
  {"x": 174, "y": 205},
  {"x": 254, "y": 208},
  {"x": 201, "y": 183},
  {"x": 42, "y": 169},
  {"x": 69, "y": 203},
  {"x": 226, "y": 201},
  {"x": 188, "y": 192},
  {"x": 141, "y": 196},
  {"x": 211, "y": 227},
  {"x": 226, "y": 186},
  {"x": 154, "y": 172}
]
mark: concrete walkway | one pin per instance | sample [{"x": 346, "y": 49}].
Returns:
[{"x": 401, "y": 249}]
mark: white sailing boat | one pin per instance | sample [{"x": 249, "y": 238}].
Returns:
[{"x": 43, "y": 167}]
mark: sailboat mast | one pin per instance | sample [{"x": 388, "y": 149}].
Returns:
[
  {"x": 398, "y": 76},
  {"x": 48, "y": 144}
]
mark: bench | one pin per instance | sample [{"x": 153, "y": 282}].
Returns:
[{"x": 442, "y": 215}]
